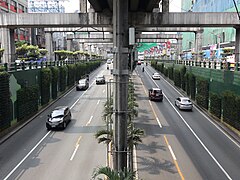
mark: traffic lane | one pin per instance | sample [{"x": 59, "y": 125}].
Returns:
[
  {"x": 154, "y": 160},
  {"x": 213, "y": 138},
  {"x": 223, "y": 149},
  {"x": 58, "y": 149},
  {"x": 170, "y": 118},
  {"x": 21, "y": 142},
  {"x": 164, "y": 131},
  {"x": 202, "y": 162}
]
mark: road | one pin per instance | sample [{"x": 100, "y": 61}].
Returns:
[
  {"x": 177, "y": 144},
  {"x": 34, "y": 152},
  {"x": 180, "y": 144}
]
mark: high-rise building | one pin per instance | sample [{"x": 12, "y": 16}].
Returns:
[
  {"x": 16, "y": 6},
  {"x": 211, "y": 36}
]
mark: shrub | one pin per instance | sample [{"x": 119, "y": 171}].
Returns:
[
  {"x": 55, "y": 80},
  {"x": 63, "y": 78},
  {"x": 203, "y": 92},
  {"x": 45, "y": 85},
  {"x": 177, "y": 79},
  {"x": 215, "y": 105}
]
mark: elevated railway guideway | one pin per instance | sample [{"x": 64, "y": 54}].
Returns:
[{"x": 102, "y": 20}]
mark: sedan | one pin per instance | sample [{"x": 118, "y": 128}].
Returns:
[
  {"x": 59, "y": 118},
  {"x": 156, "y": 76},
  {"x": 83, "y": 84},
  {"x": 184, "y": 103},
  {"x": 100, "y": 79}
]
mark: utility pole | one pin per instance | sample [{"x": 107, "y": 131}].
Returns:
[{"x": 120, "y": 75}]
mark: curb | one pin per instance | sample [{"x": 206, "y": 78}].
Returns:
[{"x": 18, "y": 127}]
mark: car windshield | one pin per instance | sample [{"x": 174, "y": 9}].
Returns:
[
  {"x": 100, "y": 77},
  {"x": 57, "y": 114},
  {"x": 186, "y": 100},
  {"x": 155, "y": 74},
  {"x": 82, "y": 82}
]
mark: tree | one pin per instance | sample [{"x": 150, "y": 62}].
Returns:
[{"x": 112, "y": 174}]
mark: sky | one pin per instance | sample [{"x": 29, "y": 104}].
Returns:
[{"x": 72, "y": 5}]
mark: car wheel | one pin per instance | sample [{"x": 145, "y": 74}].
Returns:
[{"x": 64, "y": 125}]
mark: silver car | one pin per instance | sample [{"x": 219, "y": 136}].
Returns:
[
  {"x": 156, "y": 76},
  {"x": 184, "y": 103}
]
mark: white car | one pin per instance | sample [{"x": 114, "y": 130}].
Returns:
[
  {"x": 184, "y": 103},
  {"x": 156, "y": 76}
]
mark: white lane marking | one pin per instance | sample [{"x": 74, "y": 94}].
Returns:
[
  {"x": 14, "y": 169},
  {"x": 80, "y": 96},
  {"x": 135, "y": 168},
  {"x": 76, "y": 148},
  {"x": 103, "y": 91},
  {"x": 68, "y": 93},
  {"x": 196, "y": 136},
  {"x": 98, "y": 102},
  {"x": 89, "y": 121},
  {"x": 203, "y": 114},
  {"x": 160, "y": 125},
  {"x": 172, "y": 153},
  {"x": 199, "y": 140}
]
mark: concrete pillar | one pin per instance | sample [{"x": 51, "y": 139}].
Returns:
[
  {"x": 5, "y": 41},
  {"x": 198, "y": 43},
  {"x": 237, "y": 46},
  {"x": 12, "y": 46},
  {"x": 165, "y": 6},
  {"x": 179, "y": 48},
  {"x": 49, "y": 46},
  {"x": 83, "y": 6},
  {"x": 69, "y": 44},
  {"x": 120, "y": 75}
]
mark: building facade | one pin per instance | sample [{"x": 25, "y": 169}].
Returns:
[
  {"x": 16, "y": 6},
  {"x": 211, "y": 36}
]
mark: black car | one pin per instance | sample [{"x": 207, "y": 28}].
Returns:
[
  {"x": 82, "y": 84},
  {"x": 100, "y": 79},
  {"x": 59, "y": 118},
  {"x": 155, "y": 94}
]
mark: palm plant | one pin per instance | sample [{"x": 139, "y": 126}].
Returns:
[
  {"x": 133, "y": 134},
  {"x": 113, "y": 174}
]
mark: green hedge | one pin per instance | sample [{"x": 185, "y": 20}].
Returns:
[
  {"x": 71, "y": 74},
  {"x": 5, "y": 109},
  {"x": 231, "y": 107},
  {"x": 215, "y": 105},
  {"x": 27, "y": 102},
  {"x": 170, "y": 72},
  {"x": 45, "y": 82},
  {"x": 55, "y": 80},
  {"x": 183, "y": 71},
  {"x": 202, "y": 92},
  {"x": 177, "y": 78},
  {"x": 63, "y": 78},
  {"x": 192, "y": 85}
]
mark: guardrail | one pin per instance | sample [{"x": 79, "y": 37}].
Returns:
[
  {"x": 207, "y": 64},
  {"x": 10, "y": 67}
]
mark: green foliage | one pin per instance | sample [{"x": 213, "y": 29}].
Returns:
[
  {"x": 27, "y": 52},
  {"x": 4, "y": 101},
  {"x": 27, "y": 102},
  {"x": 192, "y": 85},
  {"x": 63, "y": 54},
  {"x": 170, "y": 72},
  {"x": 63, "y": 78},
  {"x": 231, "y": 109},
  {"x": 187, "y": 84},
  {"x": 113, "y": 174},
  {"x": 55, "y": 79},
  {"x": 2, "y": 68},
  {"x": 215, "y": 105},
  {"x": 45, "y": 85},
  {"x": 202, "y": 92},
  {"x": 183, "y": 71},
  {"x": 177, "y": 78},
  {"x": 71, "y": 74}
]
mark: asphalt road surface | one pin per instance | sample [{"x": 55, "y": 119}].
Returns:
[
  {"x": 73, "y": 153},
  {"x": 177, "y": 144},
  {"x": 180, "y": 144}
]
